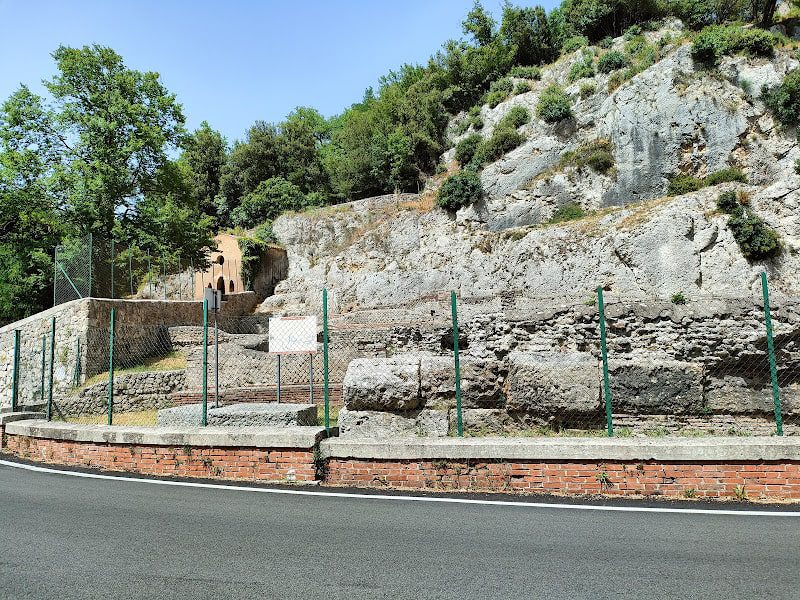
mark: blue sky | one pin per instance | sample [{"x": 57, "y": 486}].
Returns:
[{"x": 232, "y": 62}]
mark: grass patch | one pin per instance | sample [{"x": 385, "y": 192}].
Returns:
[
  {"x": 174, "y": 361},
  {"x": 142, "y": 418}
]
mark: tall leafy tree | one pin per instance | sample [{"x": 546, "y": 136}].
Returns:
[
  {"x": 205, "y": 154},
  {"x": 479, "y": 24}
]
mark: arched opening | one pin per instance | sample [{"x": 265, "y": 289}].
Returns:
[
  {"x": 220, "y": 260},
  {"x": 221, "y": 284},
  {"x": 209, "y": 285},
  {"x": 231, "y": 287}
]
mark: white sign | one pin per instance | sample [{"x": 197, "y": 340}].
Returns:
[{"x": 292, "y": 335}]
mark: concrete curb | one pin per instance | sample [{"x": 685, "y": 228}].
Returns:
[
  {"x": 248, "y": 437},
  {"x": 699, "y": 450}
]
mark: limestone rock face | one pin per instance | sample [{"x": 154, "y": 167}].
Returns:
[
  {"x": 646, "y": 384},
  {"x": 553, "y": 383},
  {"x": 382, "y": 384}
]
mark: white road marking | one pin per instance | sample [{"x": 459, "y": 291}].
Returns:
[{"x": 437, "y": 499}]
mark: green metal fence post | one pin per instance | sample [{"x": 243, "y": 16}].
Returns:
[
  {"x": 15, "y": 373},
  {"x": 459, "y": 417},
  {"x": 52, "y": 361},
  {"x": 44, "y": 364},
  {"x": 91, "y": 259},
  {"x": 204, "y": 416},
  {"x": 773, "y": 372},
  {"x": 604, "y": 352},
  {"x": 325, "y": 359},
  {"x": 76, "y": 374},
  {"x": 112, "y": 328},
  {"x": 112, "y": 269}
]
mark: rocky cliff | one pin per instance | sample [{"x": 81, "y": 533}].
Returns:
[{"x": 672, "y": 117}]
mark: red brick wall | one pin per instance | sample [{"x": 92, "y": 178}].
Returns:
[
  {"x": 684, "y": 479},
  {"x": 289, "y": 394},
  {"x": 262, "y": 464}
]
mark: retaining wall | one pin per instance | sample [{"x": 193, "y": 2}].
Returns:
[{"x": 734, "y": 468}]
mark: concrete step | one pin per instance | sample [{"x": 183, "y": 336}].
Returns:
[{"x": 10, "y": 417}]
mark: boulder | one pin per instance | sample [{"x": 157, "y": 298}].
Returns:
[
  {"x": 481, "y": 382},
  {"x": 545, "y": 384},
  {"x": 383, "y": 384},
  {"x": 377, "y": 424},
  {"x": 648, "y": 384}
]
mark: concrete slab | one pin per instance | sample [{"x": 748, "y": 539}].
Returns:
[{"x": 251, "y": 414}]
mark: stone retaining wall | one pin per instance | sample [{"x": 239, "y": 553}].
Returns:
[
  {"x": 298, "y": 394},
  {"x": 132, "y": 392}
]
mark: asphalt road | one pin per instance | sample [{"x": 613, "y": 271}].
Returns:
[{"x": 68, "y": 537}]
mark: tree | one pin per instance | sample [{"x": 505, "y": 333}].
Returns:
[
  {"x": 528, "y": 31},
  {"x": 479, "y": 24},
  {"x": 267, "y": 201},
  {"x": 116, "y": 126},
  {"x": 205, "y": 154},
  {"x": 299, "y": 142}
]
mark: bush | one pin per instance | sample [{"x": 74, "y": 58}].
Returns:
[
  {"x": 574, "y": 43},
  {"x": 502, "y": 85},
  {"x": 587, "y": 89},
  {"x": 717, "y": 41},
  {"x": 726, "y": 175},
  {"x": 504, "y": 139},
  {"x": 460, "y": 189},
  {"x": 683, "y": 184},
  {"x": 632, "y": 32},
  {"x": 580, "y": 70},
  {"x": 678, "y": 298},
  {"x": 784, "y": 100},
  {"x": 270, "y": 198},
  {"x": 554, "y": 105},
  {"x": 496, "y": 97},
  {"x": 617, "y": 79},
  {"x": 522, "y": 87},
  {"x": 526, "y": 72},
  {"x": 612, "y": 61},
  {"x": 606, "y": 42},
  {"x": 755, "y": 238},
  {"x": 728, "y": 202},
  {"x": 466, "y": 148},
  {"x": 597, "y": 154},
  {"x": 514, "y": 118},
  {"x": 567, "y": 212}
]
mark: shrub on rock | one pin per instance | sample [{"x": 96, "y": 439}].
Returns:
[
  {"x": 466, "y": 148},
  {"x": 612, "y": 61},
  {"x": 554, "y": 105},
  {"x": 459, "y": 190}
]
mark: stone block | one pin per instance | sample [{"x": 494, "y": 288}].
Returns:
[
  {"x": 389, "y": 384},
  {"x": 481, "y": 382},
  {"x": 256, "y": 414},
  {"x": 648, "y": 384},
  {"x": 378, "y": 424},
  {"x": 553, "y": 383}
]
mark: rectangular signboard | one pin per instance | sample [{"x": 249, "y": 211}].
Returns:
[{"x": 292, "y": 335}]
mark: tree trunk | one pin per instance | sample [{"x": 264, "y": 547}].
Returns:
[{"x": 769, "y": 12}]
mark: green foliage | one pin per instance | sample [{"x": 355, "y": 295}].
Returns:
[
  {"x": 784, "y": 100},
  {"x": 574, "y": 43},
  {"x": 728, "y": 202},
  {"x": 633, "y": 31},
  {"x": 554, "y": 105},
  {"x": 597, "y": 155},
  {"x": 726, "y": 175},
  {"x": 526, "y": 72},
  {"x": 597, "y": 19},
  {"x": 611, "y": 61},
  {"x": 270, "y": 198},
  {"x": 678, "y": 298},
  {"x": 756, "y": 239},
  {"x": 466, "y": 148},
  {"x": 697, "y": 14},
  {"x": 505, "y": 84},
  {"x": 504, "y": 139},
  {"x": 606, "y": 42},
  {"x": 205, "y": 153},
  {"x": 479, "y": 24},
  {"x": 683, "y": 184},
  {"x": 567, "y": 212},
  {"x": 516, "y": 117},
  {"x": 716, "y": 41},
  {"x": 530, "y": 34},
  {"x": 496, "y": 97},
  {"x": 580, "y": 70},
  {"x": 459, "y": 190},
  {"x": 253, "y": 248},
  {"x": 522, "y": 87},
  {"x": 587, "y": 89}
]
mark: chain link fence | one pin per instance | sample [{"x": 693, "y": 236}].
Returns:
[
  {"x": 92, "y": 267},
  {"x": 518, "y": 366}
]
